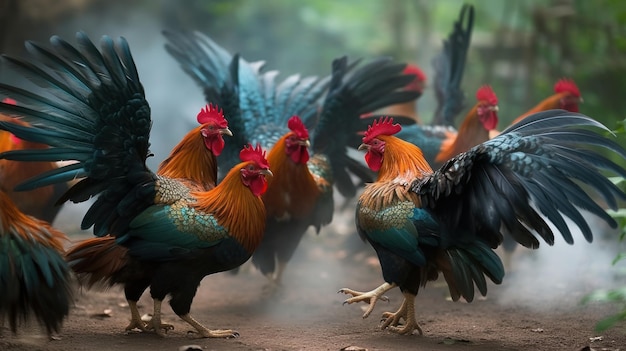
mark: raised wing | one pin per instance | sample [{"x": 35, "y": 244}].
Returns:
[
  {"x": 540, "y": 166},
  {"x": 89, "y": 106}
]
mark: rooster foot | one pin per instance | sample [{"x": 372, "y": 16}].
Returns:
[
  {"x": 271, "y": 289},
  {"x": 369, "y": 297},
  {"x": 135, "y": 320},
  {"x": 162, "y": 328},
  {"x": 208, "y": 333},
  {"x": 391, "y": 320},
  {"x": 136, "y": 324}
]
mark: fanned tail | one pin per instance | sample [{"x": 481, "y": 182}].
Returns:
[
  {"x": 89, "y": 106},
  {"x": 354, "y": 91},
  {"x": 449, "y": 66},
  {"x": 256, "y": 106}
]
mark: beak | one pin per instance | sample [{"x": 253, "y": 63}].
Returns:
[
  {"x": 495, "y": 108},
  {"x": 267, "y": 172},
  {"x": 306, "y": 143},
  {"x": 580, "y": 99},
  {"x": 363, "y": 147},
  {"x": 226, "y": 131}
]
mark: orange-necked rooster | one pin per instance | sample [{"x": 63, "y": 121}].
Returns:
[
  {"x": 422, "y": 222},
  {"x": 287, "y": 118},
  {"x": 566, "y": 97},
  {"x": 35, "y": 279},
  {"x": 164, "y": 233}
]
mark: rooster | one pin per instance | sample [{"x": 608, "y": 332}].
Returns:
[
  {"x": 566, "y": 97},
  {"x": 439, "y": 144},
  {"x": 39, "y": 203},
  {"x": 35, "y": 277},
  {"x": 160, "y": 232},
  {"x": 287, "y": 118},
  {"x": 422, "y": 222}
]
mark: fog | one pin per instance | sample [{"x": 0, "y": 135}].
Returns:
[{"x": 536, "y": 279}]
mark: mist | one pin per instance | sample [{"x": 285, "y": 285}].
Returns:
[{"x": 537, "y": 279}]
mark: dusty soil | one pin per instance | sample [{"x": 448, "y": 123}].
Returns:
[{"x": 538, "y": 313}]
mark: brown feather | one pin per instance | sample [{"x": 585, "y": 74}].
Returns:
[{"x": 96, "y": 260}]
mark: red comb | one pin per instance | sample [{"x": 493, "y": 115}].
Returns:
[
  {"x": 566, "y": 85},
  {"x": 9, "y": 101},
  {"x": 416, "y": 84},
  {"x": 212, "y": 113},
  {"x": 485, "y": 93},
  {"x": 256, "y": 155},
  {"x": 382, "y": 126},
  {"x": 413, "y": 69},
  {"x": 295, "y": 125}
]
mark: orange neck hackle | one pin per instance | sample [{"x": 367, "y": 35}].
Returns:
[
  {"x": 470, "y": 133},
  {"x": 292, "y": 189},
  {"x": 191, "y": 160},
  {"x": 566, "y": 96},
  {"x": 401, "y": 161},
  {"x": 13, "y": 221},
  {"x": 235, "y": 207}
]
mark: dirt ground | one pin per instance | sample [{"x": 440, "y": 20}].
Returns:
[{"x": 538, "y": 313}]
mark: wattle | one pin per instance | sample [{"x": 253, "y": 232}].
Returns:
[
  {"x": 301, "y": 155},
  {"x": 216, "y": 145},
  {"x": 374, "y": 160}
]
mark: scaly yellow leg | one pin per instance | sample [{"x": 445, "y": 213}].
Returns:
[
  {"x": 406, "y": 312},
  {"x": 135, "y": 318},
  {"x": 155, "y": 323}
]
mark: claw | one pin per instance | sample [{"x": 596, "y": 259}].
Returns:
[{"x": 370, "y": 297}]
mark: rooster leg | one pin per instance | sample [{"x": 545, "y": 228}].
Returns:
[
  {"x": 207, "y": 333},
  {"x": 406, "y": 312},
  {"x": 369, "y": 297},
  {"x": 155, "y": 323},
  {"x": 280, "y": 269},
  {"x": 274, "y": 280},
  {"x": 135, "y": 318}
]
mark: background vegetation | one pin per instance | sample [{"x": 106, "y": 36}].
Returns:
[{"x": 520, "y": 47}]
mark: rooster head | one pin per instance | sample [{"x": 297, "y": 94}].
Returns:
[
  {"x": 570, "y": 94},
  {"x": 376, "y": 147},
  {"x": 213, "y": 126},
  {"x": 418, "y": 83},
  {"x": 297, "y": 141},
  {"x": 255, "y": 169},
  {"x": 487, "y": 108}
]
